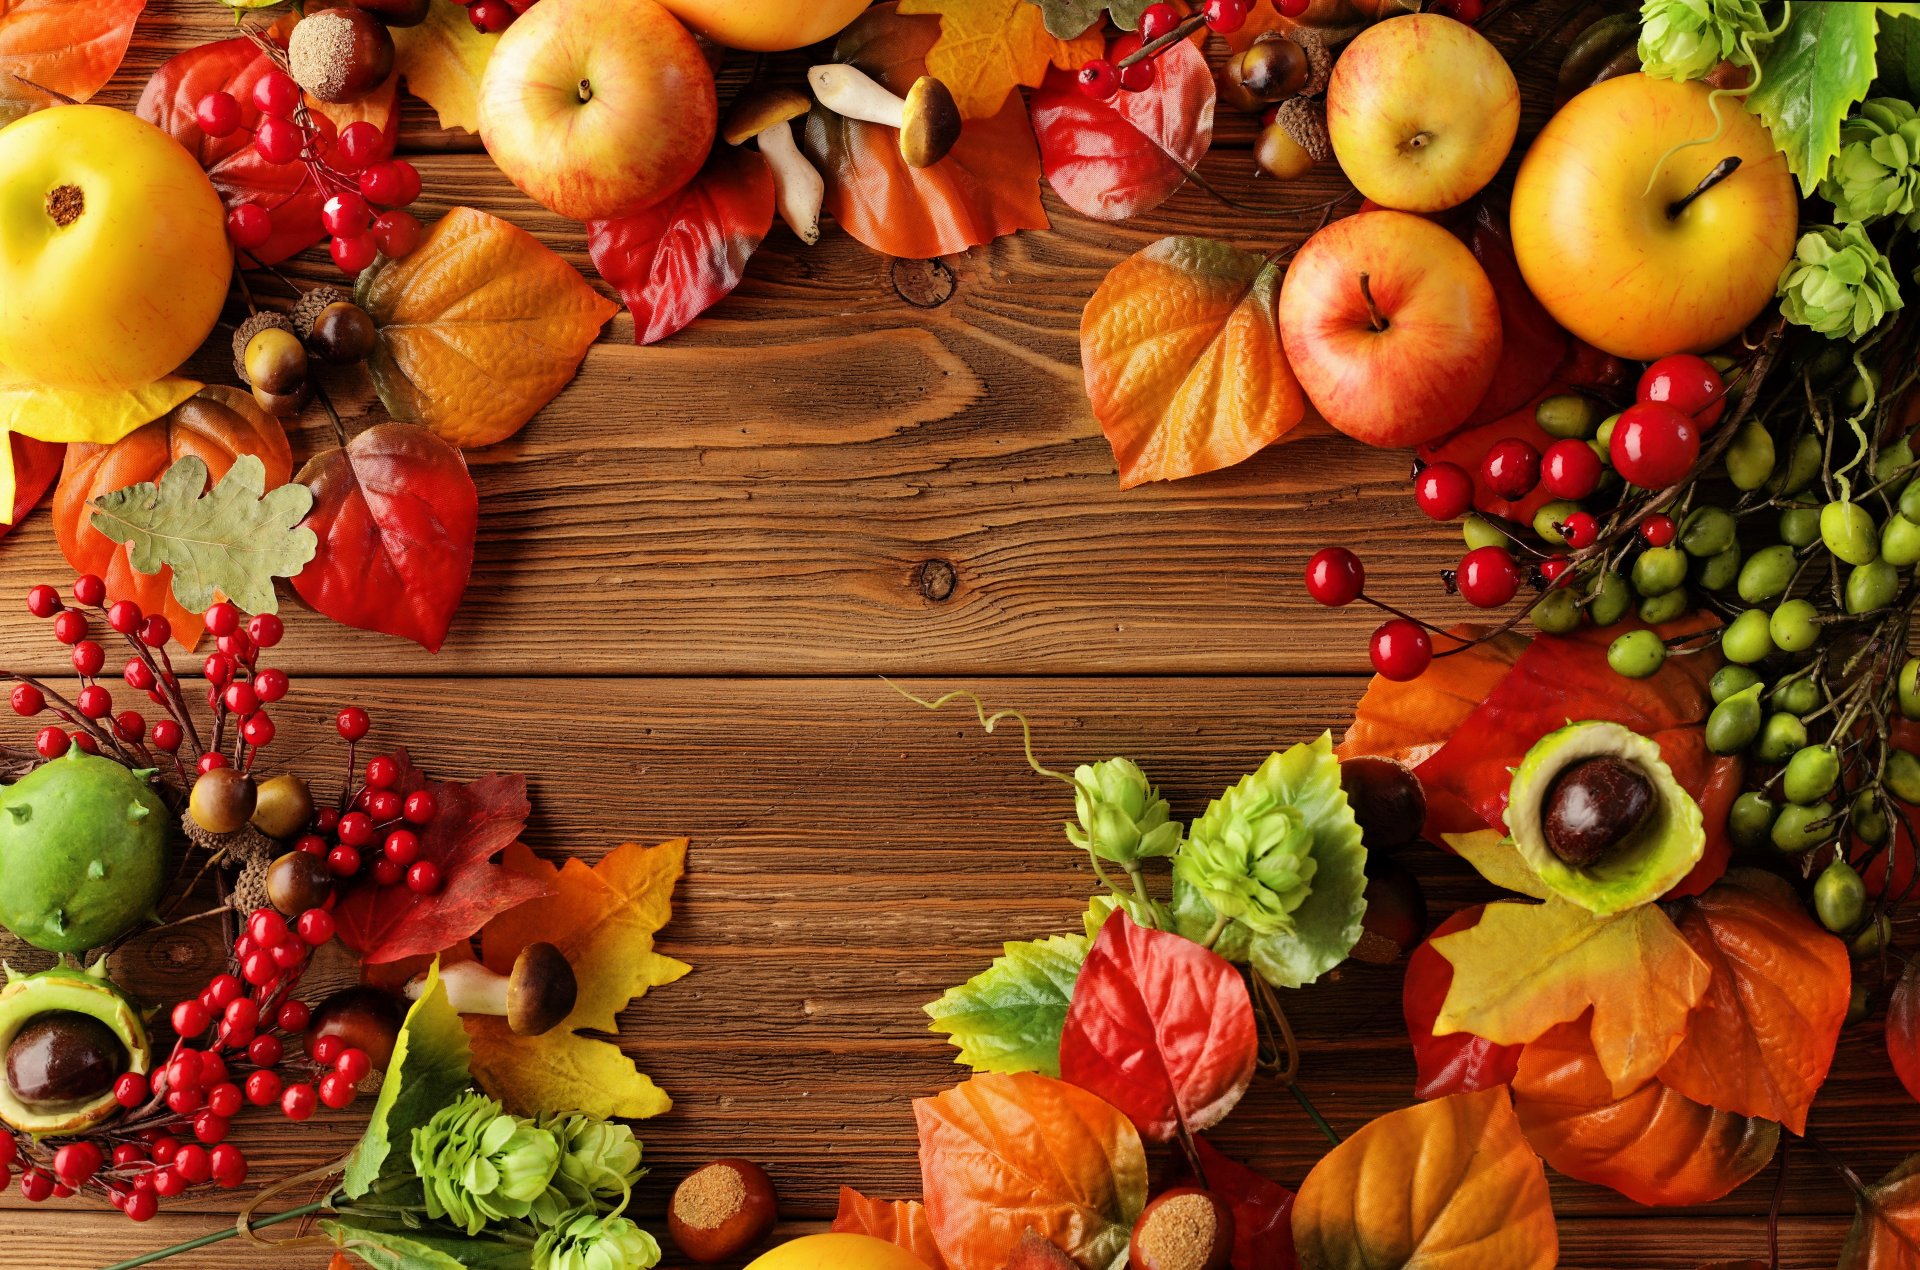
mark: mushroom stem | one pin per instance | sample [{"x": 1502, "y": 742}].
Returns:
[
  {"x": 849, "y": 92},
  {"x": 471, "y": 988},
  {"x": 798, "y": 188}
]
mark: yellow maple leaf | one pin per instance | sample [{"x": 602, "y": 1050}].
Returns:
[
  {"x": 442, "y": 60},
  {"x": 75, "y": 414},
  {"x": 603, "y": 918},
  {"x": 987, "y": 48},
  {"x": 1526, "y": 967}
]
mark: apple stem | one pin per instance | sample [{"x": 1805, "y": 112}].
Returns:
[
  {"x": 1374, "y": 317},
  {"x": 1721, "y": 171},
  {"x": 586, "y": 93}
]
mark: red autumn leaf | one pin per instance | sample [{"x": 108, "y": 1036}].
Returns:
[
  {"x": 1120, "y": 157},
  {"x": 396, "y": 512},
  {"x": 902, "y": 1222},
  {"x": 1161, "y": 1028},
  {"x": 1459, "y": 1062},
  {"x": 1886, "y": 1222},
  {"x": 1262, "y": 1211},
  {"x": 1533, "y": 346},
  {"x": 36, "y": 466},
  {"x": 475, "y": 823},
  {"x": 987, "y": 186},
  {"x": 1903, "y": 1029},
  {"x": 1655, "y": 1146},
  {"x": 1467, "y": 446},
  {"x": 680, "y": 257},
  {"x": 1035, "y": 1253},
  {"x": 51, "y": 49}
]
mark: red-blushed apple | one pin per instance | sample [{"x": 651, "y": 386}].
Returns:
[
  {"x": 767, "y": 26},
  {"x": 1643, "y": 272},
  {"x": 597, "y": 108},
  {"x": 1391, "y": 327},
  {"x": 1421, "y": 111}
]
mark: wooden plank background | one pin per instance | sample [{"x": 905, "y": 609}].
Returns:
[{"x": 693, "y": 567}]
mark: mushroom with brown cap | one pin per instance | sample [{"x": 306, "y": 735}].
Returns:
[
  {"x": 535, "y": 996},
  {"x": 927, "y": 117},
  {"x": 798, "y": 189}
]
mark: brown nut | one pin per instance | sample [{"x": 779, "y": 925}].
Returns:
[
  {"x": 340, "y": 55},
  {"x": 282, "y": 806},
  {"x": 363, "y": 1017},
  {"x": 1182, "y": 1229},
  {"x": 1387, "y": 799},
  {"x": 298, "y": 881},
  {"x": 1594, "y": 806},
  {"x": 1396, "y": 916},
  {"x": 222, "y": 800},
  {"x": 721, "y": 1210}
]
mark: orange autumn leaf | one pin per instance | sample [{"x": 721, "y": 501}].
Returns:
[
  {"x": 1655, "y": 1146},
  {"x": 1411, "y": 719},
  {"x": 1183, "y": 361},
  {"x": 1761, "y": 1039},
  {"x": 901, "y": 1222},
  {"x": 988, "y": 48},
  {"x": 479, "y": 327},
  {"x": 50, "y": 49},
  {"x": 603, "y": 919},
  {"x": 1886, "y": 1223},
  {"x": 1441, "y": 1185}
]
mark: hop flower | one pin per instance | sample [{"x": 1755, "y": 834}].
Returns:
[
  {"x": 1249, "y": 855},
  {"x": 585, "y": 1240},
  {"x": 1877, "y": 171},
  {"x": 1838, "y": 283},
  {"x": 479, "y": 1164},
  {"x": 1686, "y": 39},
  {"x": 599, "y": 1163},
  {"x": 1122, "y": 816}
]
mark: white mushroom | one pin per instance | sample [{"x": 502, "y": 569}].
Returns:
[
  {"x": 927, "y": 117},
  {"x": 798, "y": 189},
  {"x": 535, "y": 997}
]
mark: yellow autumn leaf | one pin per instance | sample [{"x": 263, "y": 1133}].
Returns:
[
  {"x": 479, "y": 327},
  {"x": 603, "y": 919},
  {"x": 987, "y": 48},
  {"x": 442, "y": 60},
  {"x": 1525, "y": 967},
  {"x": 1497, "y": 860}
]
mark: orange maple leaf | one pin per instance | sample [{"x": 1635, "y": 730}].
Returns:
[{"x": 987, "y": 48}]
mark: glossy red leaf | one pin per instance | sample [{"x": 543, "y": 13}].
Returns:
[
  {"x": 1120, "y": 157},
  {"x": 1161, "y": 1028},
  {"x": 680, "y": 257},
  {"x": 1459, "y": 1062},
  {"x": 901, "y": 1222},
  {"x": 396, "y": 512},
  {"x": 476, "y": 822},
  {"x": 1903, "y": 1029},
  {"x": 1262, "y": 1211}
]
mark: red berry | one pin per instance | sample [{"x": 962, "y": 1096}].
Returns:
[
  {"x": 267, "y": 928},
  {"x": 276, "y": 95},
  {"x": 353, "y": 1064},
  {"x": 382, "y": 772},
  {"x": 1224, "y": 17},
  {"x": 229, "y": 1166},
  {"x": 265, "y": 1051},
  {"x": 224, "y": 1100},
  {"x": 278, "y": 141},
  {"x": 124, "y": 616},
  {"x": 293, "y": 1016},
  {"x": 361, "y": 145},
  {"x": 490, "y": 16},
  {"x": 392, "y": 184},
  {"x": 396, "y": 233},
  {"x": 326, "y": 820},
  {"x": 129, "y": 1091},
  {"x": 1138, "y": 77},
  {"x": 88, "y": 658},
  {"x": 249, "y": 225},
  {"x": 130, "y": 725},
  {"x": 211, "y": 760},
  {"x": 241, "y": 698},
  {"x": 222, "y": 618},
  {"x": 1335, "y": 577},
  {"x": 315, "y": 927},
  {"x": 1156, "y": 20},
  {"x": 9, "y": 1149},
  {"x": 193, "y": 1164},
  {"x": 1291, "y": 8},
  {"x": 237, "y": 645},
  {"x": 1487, "y": 578},
  {"x": 1401, "y": 650},
  {"x": 1443, "y": 490},
  {"x": 258, "y": 969},
  {"x": 387, "y": 873},
  {"x": 43, "y": 601},
  {"x": 210, "y": 1128},
  {"x": 1653, "y": 445},
  {"x": 90, "y": 590},
  {"x": 1658, "y": 529},
  {"x": 213, "y": 1068},
  {"x": 1580, "y": 529},
  {"x": 155, "y": 631},
  {"x": 36, "y": 1185},
  {"x": 224, "y": 989},
  {"x": 190, "y": 1018},
  {"x": 184, "y": 1102},
  {"x": 402, "y": 847},
  {"x": 270, "y": 685},
  {"x": 421, "y": 807},
  {"x": 94, "y": 701},
  {"x": 325, "y": 1050},
  {"x": 311, "y": 843},
  {"x": 356, "y": 829},
  {"x": 297, "y": 1101},
  {"x": 336, "y": 1091},
  {"x": 1689, "y": 384},
  {"x": 346, "y": 215},
  {"x": 383, "y": 805},
  {"x": 168, "y": 1183},
  {"x": 1511, "y": 468},
  {"x": 183, "y": 1072},
  {"x": 70, "y": 627},
  {"x": 76, "y": 1162},
  {"x": 258, "y": 730},
  {"x": 86, "y": 742},
  {"x": 290, "y": 955},
  {"x": 343, "y": 861},
  {"x": 28, "y": 700},
  {"x": 424, "y": 877},
  {"x": 51, "y": 742},
  {"x": 167, "y": 735},
  {"x": 139, "y": 675},
  {"x": 128, "y": 1153},
  {"x": 352, "y": 723},
  {"x": 266, "y": 629},
  {"x": 142, "y": 1204},
  {"x": 1468, "y": 11},
  {"x": 165, "y": 1147},
  {"x": 263, "y": 1087},
  {"x": 1570, "y": 469}
]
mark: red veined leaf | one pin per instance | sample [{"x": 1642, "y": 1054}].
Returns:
[
  {"x": 1533, "y": 346},
  {"x": 902, "y": 1222},
  {"x": 1161, "y": 1028},
  {"x": 396, "y": 512},
  {"x": 680, "y": 257},
  {"x": 1760, "y": 1041},
  {"x": 987, "y": 186},
  {"x": 1655, "y": 1146},
  {"x": 1459, "y": 1062},
  {"x": 1120, "y": 157},
  {"x": 1262, "y": 1211},
  {"x": 51, "y": 49},
  {"x": 475, "y": 823},
  {"x": 36, "y": 466},
  {"x": 1903, "y": 1029},
  {"x": 1886, "y": 1223}
]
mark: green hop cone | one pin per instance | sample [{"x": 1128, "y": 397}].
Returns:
[
  {"x": 1248, "y": 857},
  {"x": 1122, "y": 816},
  {"x": 1838, "y": 283},
  {"x": 585, "y": 1240},
  {"x": 1877, "y": 172},
  {"x": 599, "y": 1163},
  {"x": 479, "y": 1164},
  {"x": 1686, "y": 39}
]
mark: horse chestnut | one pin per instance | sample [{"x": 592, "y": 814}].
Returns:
[
  {"x": 721, "y": 1210},
  {"x": 1594, "y": 806},
  {"x": 1182, "y": 1229}
]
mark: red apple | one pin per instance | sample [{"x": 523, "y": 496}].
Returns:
[
  {"x": 598, "y": 108},
  {"x": 1391, "y": 327}
]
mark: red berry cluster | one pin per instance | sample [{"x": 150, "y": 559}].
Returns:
[
  {"x": 1126, "y": 68},
  {"x": 378, "y": 836},
  {"x": 494, "y": 16},
  {"x": 365, "y": 187}
]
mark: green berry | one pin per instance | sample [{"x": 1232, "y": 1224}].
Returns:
[
  {"x": 1767, "y": 574},
  {"x": 1793, "y": 627},
  {"x": 1656, "y": 610},
  {"x": 1868, "y": 819},
  {"x": 1849, "y": 532},
  {"x": 1751, "y": 819},
  {"x": 1707, "y": 531},
  {"x": 1891, "y": 460},
  {"x": 1798, "y": 695},
  {"x": 1605, "y": 434},
  {"x": 1746, "y": 639},
  {"x": 1611, "y": 600},
  {"x": 1800, "y": 526},
  {"x": 1910, "y": 500},
  {"x": 1566, "y": 415},
  {"x": 1734, "y": 723},
  {"x": 1481, "y": 532},
  {"x": 1810, "y": 774},
  {"x": 1728, "y": 680},
  {"x": 1781, "y": 737},
  {"x": 1750, "y": 459},
  {"x": 1547, "y": 520},
  {"x": 1798, "y": 828},
  {"x": 1558, "y": 612},
  {"x": 1637, "y": 654},
  {"x": 1718, "y": 572},
  {"x": 1910, "y": 688},
  {"x": 1900, "y": 541},
  {"x": 1872, "y": 940},
  {"x": 1803, "y": 464},
  {"x": 1871, "y": 586},
  {"x": 1903, "y": 776},
  {"x": 1659, "y": 570},
  {"x": 1839, "y": 897}
]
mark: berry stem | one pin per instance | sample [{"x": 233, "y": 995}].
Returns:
[
  {"x": 230, "y": 1232},
  {"x": 1161, "y": 43}
]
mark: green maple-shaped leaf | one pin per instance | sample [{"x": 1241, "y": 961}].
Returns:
[
  {"x": 429, "y": 1069},
  {"x": 233, "y": 539},
  {"x": 1811, "y": 76},
  {"x": 1070, "y": 19},
  {"x": 1008, "y": 1017},
  {"x": 392, "y": 1245}
]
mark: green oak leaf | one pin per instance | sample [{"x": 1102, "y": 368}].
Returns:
[
  {"x": 429, "y": 1069},
  {"x": 1070, "y": 19},
  {"x": 233, "y": 539},
  {"x": 1811, "y": 77},
  {"x": 386, "y": 1245},
  {"x": 1008, "y": 1017}
]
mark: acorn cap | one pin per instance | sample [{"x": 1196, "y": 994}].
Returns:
[
  {"x": 1319, "y": 59},
  {"x": 259, "y": 322},
  {"x": 302, "y": 317},
  {"x": 757, "y": 112},
  {"x": 1306, "y": 122},
  {"x": 541, "y": 990},
  {"x": 930, "y": 124}
]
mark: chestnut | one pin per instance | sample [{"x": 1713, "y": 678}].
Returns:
[
  {"x": 1593, "y": 806},
  {"x": 298, "y": 881},
  {"x": 364, "y": 1018},
  {"x": 1396, "y": 916},
  {"x": 1387, "y": 799},
  {"x": 396, "y": 12},
  {"x": 1184, "y": 1228},
  {"x": 341, "y": 54},
  {"x": 63, "y": 1057},
  {"x": 721, "y": 1210}
]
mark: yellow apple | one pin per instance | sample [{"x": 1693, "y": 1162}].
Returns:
[
  {"x": 767, "y": 26},
  {"x": 1645, "y": 272},
  {"x": 113, "y": 250},
  {"x": 1421, "y": 111},
  {"x": 837, "y": 1252}
]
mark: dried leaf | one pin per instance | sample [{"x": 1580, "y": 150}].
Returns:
[
  {"x": 903, "y": 1223},
  {"x": 478, "y": 328},
  {"x": 1262, "y": 1211},
  {"x": 1448, "y": 1183},
  {"x": 1008, "y": 1018},
  {"x": 1525, "y": 967},
  {"x": 1459, "y": 1062},
  {"x": 1886, "y": 1223},
  {"x": 1007, "y": 1152},
  {"x": 442, "y": 60},
  {"x": 604, "y": 919},
  {"x": 1118, "y": 158},
  {"x": 1183, "y": 361},
  {"x": 51, "y": 49},
  {"x": 988, "y": 48}
]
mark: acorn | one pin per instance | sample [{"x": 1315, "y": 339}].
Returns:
[
  {"x": 1294, "y": 140},
  {"x": 312, "y": 304},
  {"x": 1319, "y": 59},
  {"x": 340, "y": 55},
  {"x": 265, "y": 319}
]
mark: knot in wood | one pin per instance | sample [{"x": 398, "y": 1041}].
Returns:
[
  {"x": 936, "y": 579},
  {"x": 925, "y": 284}
]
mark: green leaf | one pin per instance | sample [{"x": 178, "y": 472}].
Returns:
[
  {"x": 1897, "y": 58},
  {"x": 388, "y": 1246},
  {"x": 1070, "y": 19},
  {"x": 429, "y": 1069},
  {"x": 1008, "y": 1017},
  {"x": 1811, "y": 77},
  {"x": 234, "y": 539}
]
